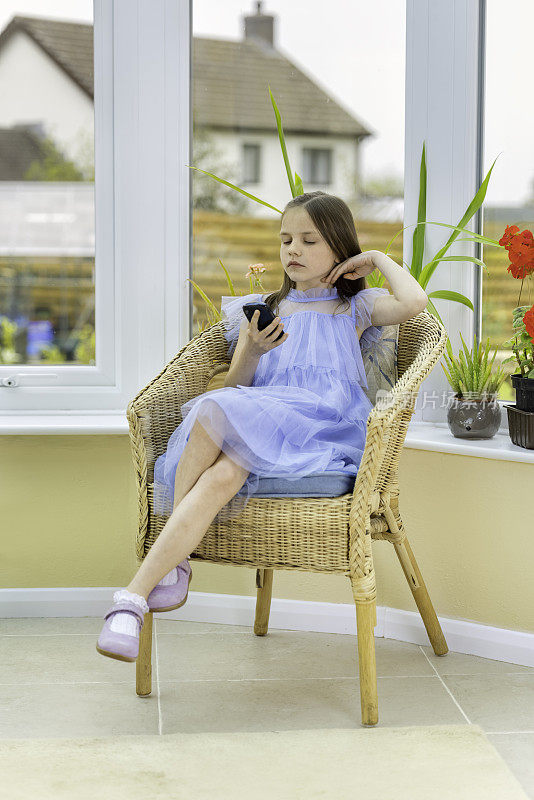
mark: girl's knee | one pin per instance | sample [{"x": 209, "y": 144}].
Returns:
[{"x": 225, "y": 471}]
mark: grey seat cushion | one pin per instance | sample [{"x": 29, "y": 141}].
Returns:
[{"x": 317, "y": 484}]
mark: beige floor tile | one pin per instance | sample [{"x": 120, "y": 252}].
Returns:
[
  {"x": 463, "y": 664},
  {"x": 191, "y": 707},
  {"x": 42, "y": 626},
  {"x": 59, "y": 659},
  {"x": 495, "y": 702},
  {"x": 217, "y": 677},
  {"x": 51, "y": 625},
  {"x": 166, "y": 625},
  {"x": 280, "y": 654},
  {"x": 77, "y": 710},
  {"x": 517, "y": 749}
]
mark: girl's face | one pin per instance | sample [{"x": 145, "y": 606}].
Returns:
[{"x": 300, "y": 241}]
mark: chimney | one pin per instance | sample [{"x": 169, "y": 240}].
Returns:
[{"x": 260, "y": 26}]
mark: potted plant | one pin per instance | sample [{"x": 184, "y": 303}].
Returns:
[
  {"x": 475, "y": 412},
  {"x": 520, "y": 247}
]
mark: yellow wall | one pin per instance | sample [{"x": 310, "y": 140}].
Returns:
[{"x": 69, "y": 515}]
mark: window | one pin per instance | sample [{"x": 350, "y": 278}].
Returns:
[
  {"x": 159, "y": 223},
  {"x": 251, "y": 163},
  {"x": 317, "y": 165},
  {"x": 508, "y": 123},
  {"x": 142, "y": 223},
  {"x": 444, "y": 101},
  {"x": 345, "y": 142},
  {"x": 47, "y": 229}
]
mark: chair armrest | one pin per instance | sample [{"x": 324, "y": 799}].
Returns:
[
  {"x": 387, "y": 425},
  {"x": 155, "y": 412},
  {"x": 397, "y": 405}
]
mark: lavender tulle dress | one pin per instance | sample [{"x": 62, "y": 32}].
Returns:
[{"x": 305, "y": 410}]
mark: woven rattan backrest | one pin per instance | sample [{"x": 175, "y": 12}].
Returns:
[{"x": 421, "y": 343}]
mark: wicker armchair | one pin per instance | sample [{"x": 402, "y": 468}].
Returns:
[{"x": 330, "y": 534}]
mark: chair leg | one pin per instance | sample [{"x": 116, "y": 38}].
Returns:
[
  {"x": 366, "y": 621},
  {"x": 143, "y": 665},
  {"x": 421, "y": 597},
  {"x": 264, "y": 584}
]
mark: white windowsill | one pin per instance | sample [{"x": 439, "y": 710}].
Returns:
[
  {"x": 437, "y": 436},
  {"x": 420, "y": 435},
  {"x": 97, "y": 422}
]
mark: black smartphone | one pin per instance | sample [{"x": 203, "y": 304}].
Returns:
[{"x": 265, "y": 318}]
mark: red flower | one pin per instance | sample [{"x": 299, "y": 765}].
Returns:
[
  {"x": 528, "y": 319},
  {"x": 519, "y": 271},
  {"x": 508, "y": 235},
  {"x": 520, "y": 248}
]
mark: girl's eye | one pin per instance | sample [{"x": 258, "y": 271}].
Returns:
[{"x": 305, "y": 242}]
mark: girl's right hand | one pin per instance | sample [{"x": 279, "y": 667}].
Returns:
[{"x": 263, "y": 341}]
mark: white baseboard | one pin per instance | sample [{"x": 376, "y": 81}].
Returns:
[{"x": 462, "y": 636}]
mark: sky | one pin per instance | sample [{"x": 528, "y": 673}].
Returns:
[{"x": 362, "y": 67}]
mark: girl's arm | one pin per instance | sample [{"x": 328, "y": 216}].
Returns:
[
  {"x": 243, "y": 364},
  {"x": 408, "y": 298}
]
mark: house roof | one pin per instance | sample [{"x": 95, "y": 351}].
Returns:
[
  {"x": 231, "y": 90},
  {"x": 230, "y": 80},
  {"x": 69, "y": 44}
]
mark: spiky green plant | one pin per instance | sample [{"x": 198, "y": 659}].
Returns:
[
  {"x": 423, "y": 274},
  {"x": 470, "y": 374}
]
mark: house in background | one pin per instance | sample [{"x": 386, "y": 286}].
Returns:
[
  {"x": 46, "y": 79},
  {"x": 231, "y": 81}
]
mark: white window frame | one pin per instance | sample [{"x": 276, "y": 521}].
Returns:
[
  {"x": 445, "y": 62},
  {"x": 142, "y": 54},
  {"x": 143, "y": 141}
]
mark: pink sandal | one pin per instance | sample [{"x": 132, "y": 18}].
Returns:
[
  {"x": 167, "y": 598},
  {"x": 121, "y": 646}
]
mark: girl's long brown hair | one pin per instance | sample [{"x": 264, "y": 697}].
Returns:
[{"x": 333, "y": 219}]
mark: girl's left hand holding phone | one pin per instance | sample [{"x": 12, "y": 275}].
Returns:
[{"x": 352, "y": 268}]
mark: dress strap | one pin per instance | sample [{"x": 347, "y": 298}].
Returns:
[{"x": 353, "y": 309}]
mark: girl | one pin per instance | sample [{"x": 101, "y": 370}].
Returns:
[{"x": 292, "y": 403}]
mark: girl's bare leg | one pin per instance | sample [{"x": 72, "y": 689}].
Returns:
[
  {"x": 206, "y": 479},
  {"x": 189, "y": 522},
  {"x": 199, "y": 453}
]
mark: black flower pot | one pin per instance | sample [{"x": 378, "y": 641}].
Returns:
[
  {"x": 521, "y": 426},
  {"x": 524, "y": 392},
  {"x": 474, "y": 419}
]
